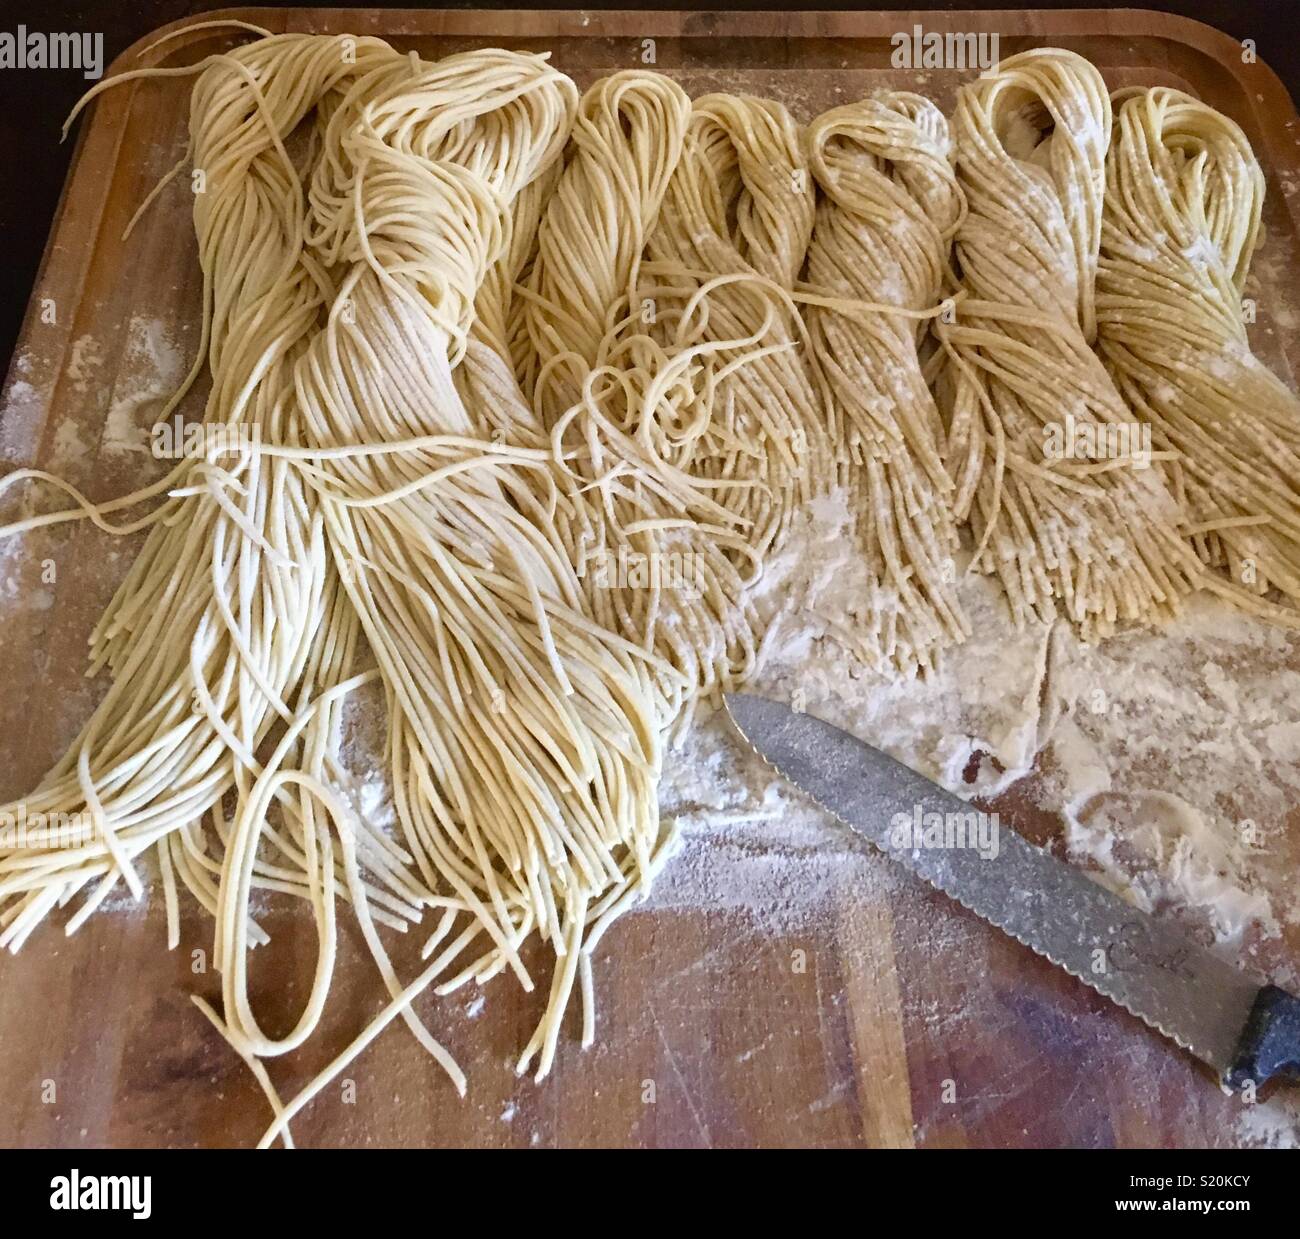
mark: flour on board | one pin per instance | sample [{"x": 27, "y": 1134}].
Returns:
[
  {"x": 1171, "y": 759},
  {"x": 1171, "y": 756},
  {"x": 153, "y": 367}
]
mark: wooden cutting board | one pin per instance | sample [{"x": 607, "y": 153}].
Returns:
[{"x": 892, "y": 1018}]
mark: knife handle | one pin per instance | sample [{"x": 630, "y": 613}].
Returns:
[{"x": 1270, "y": 1043}]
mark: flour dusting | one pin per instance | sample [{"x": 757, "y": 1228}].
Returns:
[
  {"x": 153, "y": 367},
  {"x": 1168, "y": 758}
]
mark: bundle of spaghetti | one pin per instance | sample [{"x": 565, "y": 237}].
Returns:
[
  {"x": 1063, "y": 511},
  {"x": 487, "y": 374},
  {"x": 626, "y": 142},
  {"x": 889, "y": 209},
  {"x": 720, "y": 273},
  {"x": 213, "y": 637},
  {"x": 657, "y": 552},
  {"x": 1182, "y": 216},
  {"x": 524, "y": 739}
]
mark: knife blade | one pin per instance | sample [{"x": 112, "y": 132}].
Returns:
[{"x": 1244, "y": 1030}]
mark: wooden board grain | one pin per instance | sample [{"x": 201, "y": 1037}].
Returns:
[{"x": 893, "y": 1019}]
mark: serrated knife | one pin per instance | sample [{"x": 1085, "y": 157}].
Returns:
[{"x": 1244, "y": 1030}]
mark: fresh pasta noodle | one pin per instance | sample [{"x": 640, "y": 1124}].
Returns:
[
  {"x": 626, "y": 144},
  {"x": 1059, "y": 519},
  {"x": 721, "y": 268},
  {"x": 525, "y": 740},
  {"x": 1182, "y": 216},
  {"x": 231, "y": 621},
  {"x": 889, "y": 209},
  {"x": 210, "y": 638},
  {"x": 658, "y": 553}
]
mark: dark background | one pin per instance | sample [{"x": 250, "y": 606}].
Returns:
[{"x": 33, "y": 103}]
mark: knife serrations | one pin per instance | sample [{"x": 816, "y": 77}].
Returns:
[{"x": 1147, "y": 967}]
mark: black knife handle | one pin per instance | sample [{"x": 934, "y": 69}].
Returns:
[{"x": 1270, "y": 1043}]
